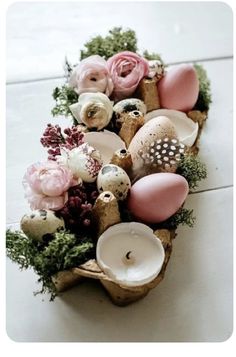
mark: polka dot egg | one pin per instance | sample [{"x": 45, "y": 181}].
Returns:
[
  {"x": 113, "y": 178},
  {"x": 163, "y": 154}
]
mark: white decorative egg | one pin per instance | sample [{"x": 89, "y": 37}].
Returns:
[
  {"x": 113, "y": 178},
  {"x": 40, "y": 223},
  {"x": 84, "y": 162}
]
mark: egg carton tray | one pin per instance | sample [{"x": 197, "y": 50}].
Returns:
[{"x": 122, "y": 295}]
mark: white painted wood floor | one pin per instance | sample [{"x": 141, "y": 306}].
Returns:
[{"x": 195, "y": 300}]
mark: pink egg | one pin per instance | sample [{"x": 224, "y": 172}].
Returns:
[
  {"x": 179, "y": 88},
  {"x": 156, "y": 197}
]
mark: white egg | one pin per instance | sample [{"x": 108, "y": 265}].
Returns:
[
  {"x": 84, "y": 161},
  {"x": 39, "y": 223},
  {"x": 113, "y": 178}
]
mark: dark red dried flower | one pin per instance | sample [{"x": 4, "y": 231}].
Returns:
[
  {"x": 74, "y": 137},
  {"x": 77, "y": 212},
  {"x": 54, "y": 139}
]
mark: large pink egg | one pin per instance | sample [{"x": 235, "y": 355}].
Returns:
[
  {"x": 156, "y": 197},
  {"x": 179, "y": 88}
]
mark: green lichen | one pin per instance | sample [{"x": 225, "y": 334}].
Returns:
[
  {"x": 116, "y": 41},
  {"x": 192, "y": 169},
  {"x": 204, "y": 98},
  {"x": 152, "y": 56},
  {"x": 20, "y": 249},
  {"x": 64, "y": 251},
  {"x": 182, "y": 217}
]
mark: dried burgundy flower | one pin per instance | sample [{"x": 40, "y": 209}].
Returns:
[
  {"x": 77, "y": 212},
  {"x": 54, "y": 139}
]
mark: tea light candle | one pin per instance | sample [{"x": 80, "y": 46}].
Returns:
[{"x": 130, "y": 254}]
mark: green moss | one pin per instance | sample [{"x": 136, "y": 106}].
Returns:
[
  {"x": 182, "y": 217},
  {"x": 63, "y": 252},
  {"x": 152, "y": 56},
  {"x": 20, "y": 249},
  {"x": 64, "y": 97},
  {"x": 116, "y": 41},
  {"x": 192, "y": 169},
  {"x": 204, "y": 97}
]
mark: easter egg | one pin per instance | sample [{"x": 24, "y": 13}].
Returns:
[
  {"x": 84, "y": 161},
  {"x": 40, "y": 223},
  {"x": 129, "y": 105},
  {"x": 154, "y": 130},
  {"x": 114, "y": 179},
  {"x": 179, "y": 88},
  {"x": 156, "y": 197}
]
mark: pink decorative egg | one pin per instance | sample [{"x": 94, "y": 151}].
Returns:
[
  {"x": 179, "y": 88},
  {"x": 156, "y": 197}
]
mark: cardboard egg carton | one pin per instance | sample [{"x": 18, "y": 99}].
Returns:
[{"x": 107, "y": 213}]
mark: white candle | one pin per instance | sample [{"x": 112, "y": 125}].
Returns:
[{"x": 130, "y": 254}]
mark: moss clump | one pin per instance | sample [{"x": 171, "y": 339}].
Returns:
[
  {"x": 192, "y": 169},
  {"x": 21, "y": 249},
  {"x": 64, "y": 97},
  {"x": 116, "y": 41},
  {"x": 152, "y": 56},
  {"x": 64, "y": 251},
  {"x": 182, "y": 217},
  {"x": 204, "y": 97}
]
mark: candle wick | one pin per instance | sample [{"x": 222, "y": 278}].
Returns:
[{"x": 128, "y": 255}]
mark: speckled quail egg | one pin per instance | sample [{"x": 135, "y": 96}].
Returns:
[
  {"x": 113, "y": 178},
  {"x": 40, "y": 223},
  {"x": 126, "y": 106}
]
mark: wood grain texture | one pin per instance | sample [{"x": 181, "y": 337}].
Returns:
[
  {"x": 193, "y": 303},
  {"x": 40, "y": 34}
]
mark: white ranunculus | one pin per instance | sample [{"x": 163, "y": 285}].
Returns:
[{"x": 93, "y": 109}]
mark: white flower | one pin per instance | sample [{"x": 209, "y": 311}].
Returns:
[
  {"x": 156, "y": 69},
  {"x": 93, "y": 109}
]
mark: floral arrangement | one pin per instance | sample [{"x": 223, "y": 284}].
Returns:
[{"x": 108, "y": 199}]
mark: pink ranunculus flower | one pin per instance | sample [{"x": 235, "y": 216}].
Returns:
[
  {"x": 126, "y": 69},
  {"x": 91, "y": 75},
  {"x": 46, "y": 185}
]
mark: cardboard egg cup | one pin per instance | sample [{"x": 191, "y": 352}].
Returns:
[{"x": 121, "y": 295}]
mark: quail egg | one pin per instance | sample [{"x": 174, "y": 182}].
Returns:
[
  {"x": 40, "y": 223},
  {"x": 113, "y": 178}
]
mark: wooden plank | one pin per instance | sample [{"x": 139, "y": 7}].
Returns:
[
  {"x": 39, "y": 35},
  {"x": 193, "y": 303},
  {"x": 216, "y": 142}
]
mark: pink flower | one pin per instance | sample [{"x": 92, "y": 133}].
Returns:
[
  {"x": 126, "y": 69},
  {"x": 91, "y": 75},
  {"x": 46, "y": 185}
]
